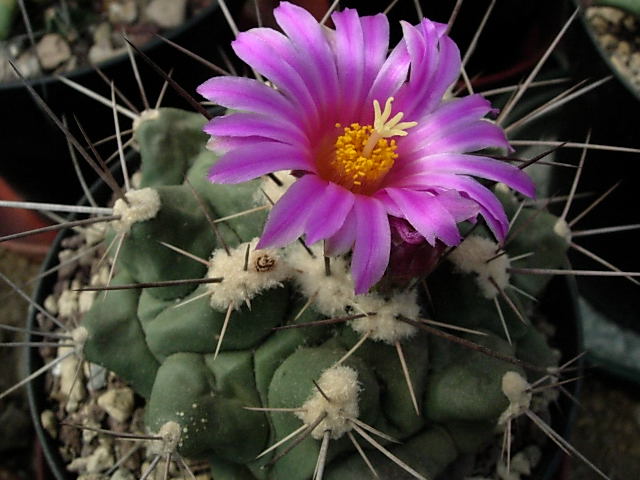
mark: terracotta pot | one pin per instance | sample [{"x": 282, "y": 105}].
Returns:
[{"x": 14, "y": 220}]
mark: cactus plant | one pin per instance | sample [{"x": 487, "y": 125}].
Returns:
[
  {"x": 200, "y": 355},
  {"x": 273, "y": 359}
]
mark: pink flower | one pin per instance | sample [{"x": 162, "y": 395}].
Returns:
[{"x": 369, "y": 135}]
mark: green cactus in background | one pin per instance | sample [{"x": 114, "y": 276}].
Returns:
[
  {"x": 226, "y": 373},
  {"x": 7, "y": 12}
]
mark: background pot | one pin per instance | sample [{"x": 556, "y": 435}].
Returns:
[
  {"x": 35, "y": 158},
  {"x": 610, "y": 112}
]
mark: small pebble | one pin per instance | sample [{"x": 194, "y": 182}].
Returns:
[
  {"x": 49, "y": 423},
  {"x": 608, "y": 41},
  {"x": 97, "y": 376},
  {"x": 118, "y": 403},
  {"x": 27, "y": 64},
  {"x": 51, "y": 305},
  {"x": 122, "y": 474},
  {"x": 53, "y": 50},
  {"x": 623, "y": 49},
  {"x": 122, "y": 11},
  {"x": 614, "y": 15},
  {"x": 68, "y": 303},
  {"x": 167, "y": 13}
]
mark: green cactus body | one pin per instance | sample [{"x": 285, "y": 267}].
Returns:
[{"x": 164, "y": 341}]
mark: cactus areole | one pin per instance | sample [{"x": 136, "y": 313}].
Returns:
[{"x": 305, "y": 360}]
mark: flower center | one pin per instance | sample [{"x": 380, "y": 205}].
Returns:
[{"x": 363, "y": 153}]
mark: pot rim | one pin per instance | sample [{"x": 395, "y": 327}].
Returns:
[{"x": 604, "y": 56}]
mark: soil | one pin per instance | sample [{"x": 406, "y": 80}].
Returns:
[
  {"x": 618, "y": 33},
  {"x": 68, "y": 34}
]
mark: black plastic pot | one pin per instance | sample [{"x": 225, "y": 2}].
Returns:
[
  {"x": 559, "y": 305},
  {"x": 35, "y": 158},
  {"x": 611, "y": 113}
]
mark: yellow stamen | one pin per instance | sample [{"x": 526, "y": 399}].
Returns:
[
  {"x": 363, "y": 155},
  {"x": 351, "y": 168}
]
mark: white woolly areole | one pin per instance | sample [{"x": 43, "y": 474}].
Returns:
[
  {"x": 516, "y": 389},
  {"x": 265, "y": 270},
  {"x": 94, "y": 234},
  {"x": 150, "y": 114},
  {"x": 471, "y": 257},
  {"x": 143, "y": 205},
  {"x": 269, "y": 188},
  {"x": 331, "y": 294},
  {"x": 562, "y": 229},
  {"x": 170, "y": 433},
  {"x": 502, "y": 188},
  {"x": 384, "y": 325},
  {"x": 340, "y": 384}
]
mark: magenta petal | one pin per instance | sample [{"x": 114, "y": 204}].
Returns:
[
  {"x": 475, "y": 165},
  {"x": 376, "y": 33},
  {"x": 258, "y": 158},
  {"x": 453, "y": 114},
  {"x": 256, "y": 125},
  {"x": 389, "y": 203},
  {"x": 421, "y": 44},
  {"x": 391, "y": 76},
  {"x": 329, "y": 213},
  {"x": 450, "y": 117},
  {"x": 350, "y": 59},
  {"x": 272, "y": 55},
  {"x": 435, "y": 65},
  {"x": 247, "y": 94},
  {"x": 490, "y": 207},
  {"x": 308, "y": 37},
  {"x": 372, "y": 245},
  {"x": 471, "y": 138},
  {"x": 427, "y": 215},
  {"x": 287, "y": 219},
  {"x": 459, "y": 207},
  {"x": 342, "y": 241}
]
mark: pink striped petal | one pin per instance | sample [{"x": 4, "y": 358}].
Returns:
[
  {"x": 342, "y": 241},
  {"x": 427, "y": 215},
  {"x": 256, "y": 125},
  {"x": 272, "y": 55},
  {"x": 258, "y": 158},
  {"x": 490, "y": 207},
  {"x": 449, "y": 117},
  {"x": 435, "y": 65},
  {"x": 459, "y": 207},
  {"x": 350, "y": 59},
  {"x": 329, "y": 213},
  {"x": 372, "y": 244},
  {"x": 391, "y": 76},
  {"x": 287, "y": 219},
  {"x": 477, "y": 166},
  {"x": 247, "y": 94},
  {"x": 376, "y": 33},
  {"x": 471, "y": 138},
  {"x": 309, "y": 39}
]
